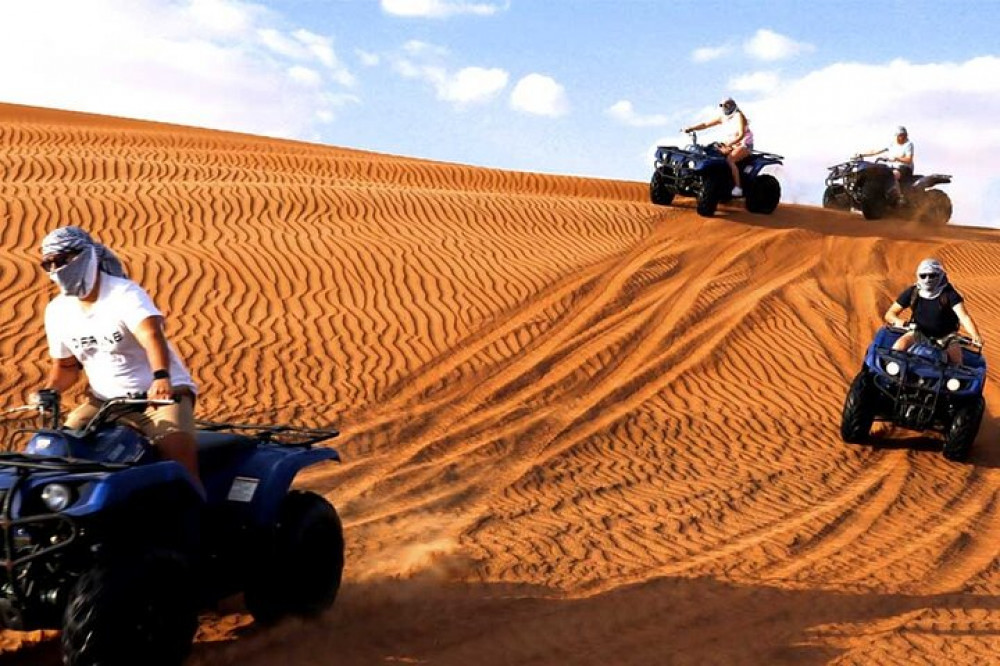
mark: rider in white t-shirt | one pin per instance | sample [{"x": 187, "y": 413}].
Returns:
[
  {"x": 900, "y": 156},
  {"x": 107, "y": 325}
]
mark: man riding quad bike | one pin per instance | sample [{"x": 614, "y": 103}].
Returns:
[
  {"x": 703, "y": 172},
  {"x": 870, "y": 186},
  {"x": 103, "y": 538},
  {"x": 921, "y": 374}
]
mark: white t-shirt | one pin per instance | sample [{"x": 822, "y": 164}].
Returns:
[
  {"x": 731, "y": 125},
  {"x": 899, "y": 150},
  {"x": 102, "y": 338}
]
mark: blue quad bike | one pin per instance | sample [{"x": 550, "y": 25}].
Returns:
[
  {"x": 121, "y": 550},
  {"x": 869, "y": 186},
  {"x": 919, "y": 390},
  {"x": 703, "y": 173}
]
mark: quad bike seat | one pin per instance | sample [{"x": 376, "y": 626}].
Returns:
[{"x": 217, "y": 448}]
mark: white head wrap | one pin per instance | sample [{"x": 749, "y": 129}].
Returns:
[
  {"x": 932, "y": 286},
  {"x": 78, "y": 276}
]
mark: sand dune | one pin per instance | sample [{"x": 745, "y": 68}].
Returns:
[{"x": 578, "y": 428}]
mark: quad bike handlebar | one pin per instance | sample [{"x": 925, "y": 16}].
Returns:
[
  {"x": 48, "y": 404},
  {"x": 963, "y": 340}
]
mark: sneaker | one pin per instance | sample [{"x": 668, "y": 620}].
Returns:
[{"x": 737, "y": 192}]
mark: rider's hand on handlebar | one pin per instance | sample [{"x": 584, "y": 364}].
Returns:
[{"x": 160, "y": 389}]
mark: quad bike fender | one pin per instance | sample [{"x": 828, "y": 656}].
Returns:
[
  {"x": 927, "y": 182},
  {"x": 262, "y": 480},
  {"x": 757, "y": 162},
  {"x": 107, "y": 490}
]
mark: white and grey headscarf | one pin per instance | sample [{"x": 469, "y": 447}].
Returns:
[
  {"x": 78, "y": 276},
  {"x": 935, "y": 281}
]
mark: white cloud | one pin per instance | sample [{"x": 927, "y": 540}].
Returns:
[
  {"x": 769, "y": 45},
  {"x": 707, "y": 53},
  {"x": 539, "y": 95},
  {"x": 440, "y": 8},
  {"x": 469, "y": 85},
  {"x": 755, "y": 82},
  {"x": 305, "y": 75},
  {"x": 367, "y": 59},
  {"x": 624, "y": 113},
  {"x": 472, "y": 84},
  {"x": 827, "y": 115},
  {"x": 212, "y": 63},
  {"x": 417, "y": 48}
]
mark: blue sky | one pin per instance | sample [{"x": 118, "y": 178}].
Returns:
[{"x": 581, "y": 87}]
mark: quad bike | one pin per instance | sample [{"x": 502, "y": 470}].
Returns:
[
  {"x": 703, "y": 173},
  {"x": 120, "y": 550},
  {"x": 918, "y": 390},
  {"x": 869, "y": 186}
]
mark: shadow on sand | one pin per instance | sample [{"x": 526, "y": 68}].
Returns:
[{"x": 667, "y": 620}]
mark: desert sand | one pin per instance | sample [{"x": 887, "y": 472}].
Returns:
[{"x": 577, "y": 428}]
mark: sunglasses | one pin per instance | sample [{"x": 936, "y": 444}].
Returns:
[
  {"x": 57, "y": 261},
  {"x": 928, "y": 276}
]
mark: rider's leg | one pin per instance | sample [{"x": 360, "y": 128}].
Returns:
[
  {"x": 82, "y": 413},
  {"x": 905, "y": 341},
  {"x": 897, "y": 190},
  {"x": 171, "y": 430},
  {"x": 954, "y": 353},
  {"x": 737, "y": 154}
]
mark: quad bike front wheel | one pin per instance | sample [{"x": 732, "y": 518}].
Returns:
[
  {"x": 764, "y": 195},
  {"x": 859, "y": 410},
  {"x": 301, "y": 567},
  {"x": 963, "y": 430},
  {"x": 711, "y": 194},
  {"x": 873, "y": 203},
  {"x": 659, "y": 193},
  {"x": 835, "y": 197},
  {"x": 136, "y": 608}
]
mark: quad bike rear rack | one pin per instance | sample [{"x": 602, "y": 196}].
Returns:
[{"x": 281, "y": 435}]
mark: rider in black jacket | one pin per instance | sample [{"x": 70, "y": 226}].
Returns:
[{"x": 936, "y": 308}]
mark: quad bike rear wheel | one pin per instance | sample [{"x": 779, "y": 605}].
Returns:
[
  {"x": 764, "y": 194},
  {"x": 859, "y": 410},
  {"x": 302, "y": 565},
  {"x": 936, "y": 208},
  {"x": 963, "y": 430}
]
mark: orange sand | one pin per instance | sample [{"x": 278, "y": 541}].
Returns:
[{"x": 578, "y": 428}]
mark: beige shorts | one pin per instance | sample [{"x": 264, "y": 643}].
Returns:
[{"x": 154, "y": 422}]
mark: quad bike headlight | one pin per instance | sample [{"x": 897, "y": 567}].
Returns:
[
  {"x": 56, "y": 497},
  {"x": 892, "y": 368},
  {"x": 690, "y": 164},
  {"x": 953, "y": 384}
]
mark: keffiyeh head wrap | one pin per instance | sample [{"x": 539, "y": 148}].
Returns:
[
  {"x": 931, "y": 278},
  {"x": 69, "y": 239}
]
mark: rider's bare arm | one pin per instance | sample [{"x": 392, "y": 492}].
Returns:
[
  {"x": 892, "y": 315},
  {"x": 870, "y": 153},
  {"x": 704, "y": 125},
  {"x": 63, "y": 373},
  {"x": 150, "y": 335},
  {"x": 966, "y": 321}
]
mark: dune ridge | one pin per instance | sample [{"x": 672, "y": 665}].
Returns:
[{"x": 577, "y": 428}]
